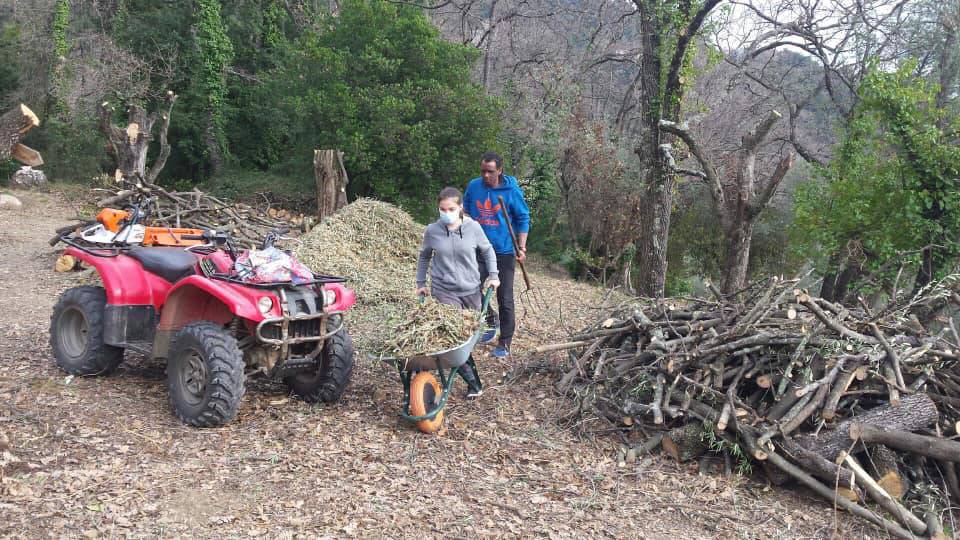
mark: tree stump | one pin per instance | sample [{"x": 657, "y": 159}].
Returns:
[
  {"x": 28, "y": 177},
  {"x": 332, "y": 181},
  {"x": 129, "y": 145}
]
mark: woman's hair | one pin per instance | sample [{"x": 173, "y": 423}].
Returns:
[{"x": 450, "y": 193}]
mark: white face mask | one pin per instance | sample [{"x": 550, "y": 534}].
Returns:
[{"x": 449, "y": 217}]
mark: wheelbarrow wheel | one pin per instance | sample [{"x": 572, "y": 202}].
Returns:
[{"x": 424, "y": 394}]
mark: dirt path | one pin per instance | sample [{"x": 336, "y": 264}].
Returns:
[{"x": 105, "y": 456}]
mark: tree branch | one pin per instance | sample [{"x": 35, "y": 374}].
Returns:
[
  {"x": 667, "y": 153},
  {"x": 751, "y": 140},
  {"x": 770, "y": 187},
  {"x": 683, "y": 41},
  {"x": 709, "y": 172},
  {"x": 164, "y": 145},
  {"x": 108, "y": 129}
]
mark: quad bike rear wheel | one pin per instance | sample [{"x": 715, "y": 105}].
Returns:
[
  {"x": 331, "y": 378},
  {"x": 205, "y": 375},
  {"x": 76, "y": 333},
  {"x": 424, "y": 395}
]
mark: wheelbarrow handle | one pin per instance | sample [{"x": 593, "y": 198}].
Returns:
[{"x": 486, "y": 301}]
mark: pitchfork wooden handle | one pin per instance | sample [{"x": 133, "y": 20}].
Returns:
[{"x": 513, "y": 237}]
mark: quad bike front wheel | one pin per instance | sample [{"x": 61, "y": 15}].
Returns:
[
  {"x": 424, "y": 397},
  {"x": 76, "y": 333},
  {"x": 330, "y": 379},
  {"x": 205, "y": 375}
]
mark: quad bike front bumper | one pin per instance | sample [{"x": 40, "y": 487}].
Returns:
[{"x": 294, "y": 333}]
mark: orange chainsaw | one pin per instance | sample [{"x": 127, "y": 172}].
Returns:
[{"x": 113, "y": 228}]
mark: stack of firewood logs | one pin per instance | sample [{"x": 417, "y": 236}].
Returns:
[{"x": 856, "y": 404}]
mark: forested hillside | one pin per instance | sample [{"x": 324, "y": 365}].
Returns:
[{"x": 660, "y": 144}]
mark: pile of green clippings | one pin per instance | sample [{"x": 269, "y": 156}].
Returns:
[
  {"x": 375, "y": 246},
  {"x": 430, "y": 327}
]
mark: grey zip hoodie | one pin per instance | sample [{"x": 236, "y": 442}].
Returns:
[{"x": 451, "y": 256}]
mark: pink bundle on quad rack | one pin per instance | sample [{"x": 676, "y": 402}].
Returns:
[{"x": 271, "y": 265}]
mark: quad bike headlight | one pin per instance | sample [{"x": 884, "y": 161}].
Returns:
[
  {"x": 265, "y": 304},
  {"x": 329, "y": 297}
]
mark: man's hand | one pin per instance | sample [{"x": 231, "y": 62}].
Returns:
[
  {"x": 521, "y": 254},
  {"x": 491, "y": 282},
  {"x": 423, "y": 291}
]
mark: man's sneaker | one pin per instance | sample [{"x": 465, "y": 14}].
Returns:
[
  {"x": 473, "y": 392},
  {"x": 501, "y": 352},
  {"x": 488, "y": 336}
]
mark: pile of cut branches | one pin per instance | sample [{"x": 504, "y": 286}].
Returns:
[
  {"x": 850, "y": 403},
  {"x": 198, "y": 210}
]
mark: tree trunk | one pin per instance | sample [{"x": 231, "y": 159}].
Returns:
[
  {"x": 842, "y": 287},
  {"x": 737, "y": 257},
  {"x": 214, "y": 151},
  {"x": 933, "y": 263},
  {"x": 914, "y": 412},
  {"x": 332, "y": 181},
  {"x": 884, "y": 461},
  {"x": 651, "y": 272},
  {"x": 652, "y": 246},
  {"x": 828, "y": 286},
  {"x": 14, "y": 124},
  {"x": 129, "y": 146}
]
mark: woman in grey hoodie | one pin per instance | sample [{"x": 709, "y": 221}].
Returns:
[{"x": 449, "y": 250}]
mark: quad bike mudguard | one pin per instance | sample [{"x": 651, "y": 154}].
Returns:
[
  {"x": 345, "y": 298},
  {"x": 124, "y": 279},
  {"x": 194, "y": 297},
  {"x": 197, "y": 298}
]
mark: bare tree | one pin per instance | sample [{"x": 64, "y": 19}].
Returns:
[
  {"x": 847, "y": 38},
  {"x": 739, "y": 196}
]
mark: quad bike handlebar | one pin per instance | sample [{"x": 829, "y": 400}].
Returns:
[{"x": 274, "y": 236}]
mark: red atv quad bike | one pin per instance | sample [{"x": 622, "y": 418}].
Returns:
[{"x": 190, "y": 308}]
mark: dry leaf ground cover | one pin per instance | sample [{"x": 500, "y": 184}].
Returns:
[{"x": 104, "y": 457}]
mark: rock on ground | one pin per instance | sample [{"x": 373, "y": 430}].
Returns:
[
  {"x": 28, "y": 177},
  {"x": 9, "y": 201}
]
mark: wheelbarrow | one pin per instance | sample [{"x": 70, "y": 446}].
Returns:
[{"x": 424, "y": 395}]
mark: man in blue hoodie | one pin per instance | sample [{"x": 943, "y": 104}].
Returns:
[{"x": 482, "y": 200}]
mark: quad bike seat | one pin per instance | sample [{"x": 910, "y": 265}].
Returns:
[{"x": 170, "y": 263}]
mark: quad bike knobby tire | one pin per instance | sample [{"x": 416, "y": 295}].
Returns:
[
  {"x": 205, "y": 375},
  {"x": 424, "y": 393},
  {"x": 329, "y": 381},
  {"x": 76, "y": 333}
]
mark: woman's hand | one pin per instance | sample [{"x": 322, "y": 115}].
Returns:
[
  {"x": 423, "y": 291},
  {"x": 491, "y": 282},
  {"x": 521, "y": 254}
]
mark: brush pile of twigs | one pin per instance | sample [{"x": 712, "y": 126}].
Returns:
[
  {"x": 850, "y": 403},
  {"x": 429, "y": 327}
]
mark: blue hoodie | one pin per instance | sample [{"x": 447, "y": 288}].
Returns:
[{"x": 483, "y": 205}]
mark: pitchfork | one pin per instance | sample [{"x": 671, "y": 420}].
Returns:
[{"x": 529, "y": 296}]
